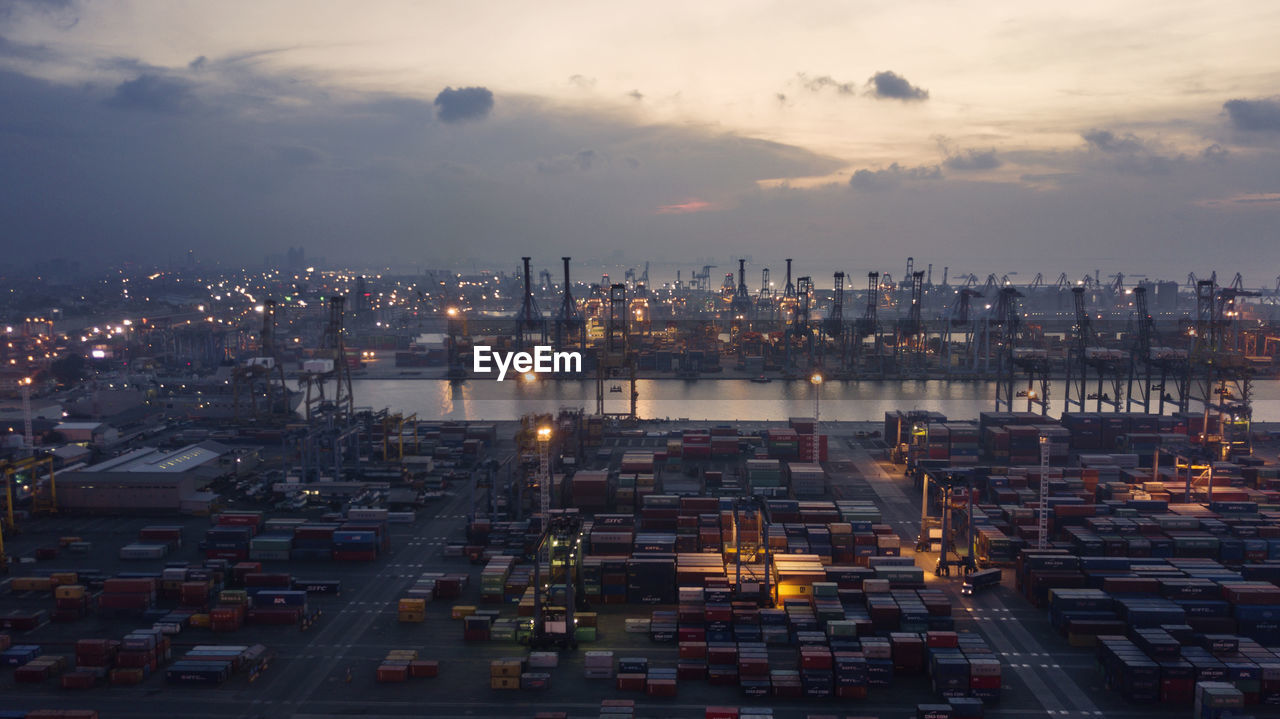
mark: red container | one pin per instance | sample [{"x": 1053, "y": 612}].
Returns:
[
  {"x": 136, "y": 660},
  {"x": 721, "y": 713},
  {"x": 693, "y": 650},
  {"x": 273, "y": 615},
  {"x": 125, "y": 601},
  {"x": 130, "y": 586},
  {"x": 259, "y": 579},
  {"x": 661, "y": 687},
  {"x": 424, "y": 668},
  {"x": 78, "y": 680},
  {"x": 942, "y": 640},
  {"x": 631, "y": 682},
  {"x": 815, "y": 658},
  {"x": 354, "y": 556},
  {"x": 692, "y": 634},
  {"x": 851, "y": 692}
]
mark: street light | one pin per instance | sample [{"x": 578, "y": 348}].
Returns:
[
  {"x": 544, "y": 469},
  {"x": 816, "y": 379}
]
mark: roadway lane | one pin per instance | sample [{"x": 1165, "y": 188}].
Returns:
[{"x": 1001, "y": 617}]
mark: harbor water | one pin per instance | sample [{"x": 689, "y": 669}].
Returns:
[{"x": 716, "y": 399}]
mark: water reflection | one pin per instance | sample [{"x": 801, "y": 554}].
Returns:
[{"x": 712, "y": 399}]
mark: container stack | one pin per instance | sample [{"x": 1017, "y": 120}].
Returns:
[
  {"x": 493, "y": 579},
  {"x": 764, "y": 477},
  {"x": 276, "y": 606},
  {"x": 808, "y": 481},
  {"x": 313, "y": 542},
  {"x": 598, "y": 665},
  {"x": 590, "y": 490},
  {"x": 783, "y": 444},
  {"x": 127, "y": 597},
  {"x": 71, "y": 602},
  {"x": 504, "y": 674}
]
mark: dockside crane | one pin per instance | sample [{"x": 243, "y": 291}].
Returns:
[
  {"x": 1157, "y": 374},
  {"x": 617, "y": 360},
  {"x": 1109, "y": 365},
  {"x": 531, "y": 329},
  {"x": 833, "y": 326},
  {"x": 570, "y": 328},
  {"x": 262, "y": 376},
  {"x": 330, "y": 365}
]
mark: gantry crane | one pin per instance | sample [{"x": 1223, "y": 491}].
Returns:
[
  {"x": 333, "y": 351},
  {"x": 43, "y": 502},
  {"x": 570, "y": 329},
  {"x": 617, "y": 359},
  {"x": 557, "y": 563},
  {"x": 1108, "y": 364},
  {"x": 262, "y": 375},
  {"x": 530, "y": 327}
]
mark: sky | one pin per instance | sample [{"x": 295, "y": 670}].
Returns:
[{"x": 983, "y": 135}]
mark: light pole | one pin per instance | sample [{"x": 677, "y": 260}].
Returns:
[
  {"x": 816, "y": 379},
  {"x": 544, "y": 469},
  {"x": 28, "y": 441}
]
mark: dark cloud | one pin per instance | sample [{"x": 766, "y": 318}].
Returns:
[
  {"x": 24, "y": 51},
  {"x": 889, "y": 177},
  {"x": 150, "y": 92},
  {"x": 1131, "y": 154},
  {"x": 1111, "y": 143},
  {"x": 198, "y": 63},
  {"x": 62, "y": 13},
  {"x": 636, "y": 95},
  {"x": 297, "y": 155},
  {"x": 581, "y": 161},
  {"x": 1215, "y": 153},
  {"x": 1254, "y": 115},
  {"x": 465, "y": 103},
  {"x": 822, "y": 82},
  {"x": 890, "y": 85},
  {"x": 781, "y": 97},
  {"x": 582, "y": 81},
  {"x": 973, "y": 160}
]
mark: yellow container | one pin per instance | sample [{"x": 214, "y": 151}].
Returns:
[
  {"x": 32, "y": 584},
  {"x": 504, "y": 682},
  {"x": 199, "y": 620},
  {"x": 413, "y": 605},
  {"x": 460, "y": 611},
  {"x": 69, "y": 591},
  {"x": 506, "y": 668},
  {"x": 402, "y": 655},
  {"x": 60, "y": 578},
  {"x": 68, "y": 541}
]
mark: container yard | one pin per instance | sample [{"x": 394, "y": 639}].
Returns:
[{"x": 754, "y": 581}]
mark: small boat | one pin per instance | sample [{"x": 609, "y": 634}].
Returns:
[{"x": 761, "y": 379}]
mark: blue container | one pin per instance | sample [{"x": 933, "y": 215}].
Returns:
[{"x": 280, "y": 598}]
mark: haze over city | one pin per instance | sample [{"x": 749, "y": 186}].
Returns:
[{"x": 1053, "y": 137}]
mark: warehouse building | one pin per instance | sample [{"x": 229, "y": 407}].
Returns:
[{"x": 146, "y": 480}]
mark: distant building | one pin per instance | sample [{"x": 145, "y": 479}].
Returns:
[
  {"x": 147, "y": 480},
  {"x": 88, "y": 434}
]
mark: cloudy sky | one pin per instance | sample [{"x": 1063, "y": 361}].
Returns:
[{"x": 986, "y": 135}]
